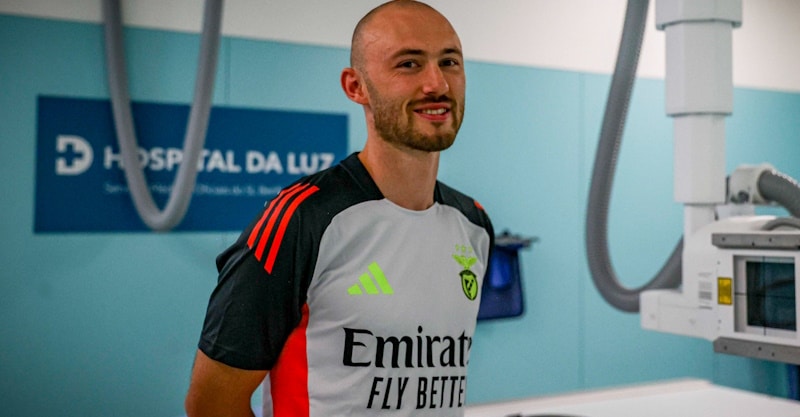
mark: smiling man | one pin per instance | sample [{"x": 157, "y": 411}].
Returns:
[
  {"x": 406, "y": 74},
  {"x": 355, "y": 291}
]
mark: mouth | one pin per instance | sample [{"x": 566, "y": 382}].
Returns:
[
  {"x": 438, "y": 112},
  {"x": 433, "y": 112}
]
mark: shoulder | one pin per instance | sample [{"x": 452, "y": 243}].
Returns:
[
  {"x": 301, "y": 212},
  {"x": 467, "y": 205},
  {"x": 335, "y": 189}
]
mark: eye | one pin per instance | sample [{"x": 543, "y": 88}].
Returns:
[
  {"x": 450, "y": 62},
  {"x": 408, "y": 64}
]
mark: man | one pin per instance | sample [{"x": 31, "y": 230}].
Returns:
[{"x": 356, "y": 289}]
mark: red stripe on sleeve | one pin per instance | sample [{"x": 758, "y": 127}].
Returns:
[
  {"x": 289, "y": 377},
  {"x": 273, "y": 217},
  {"x": 254, "y": 233},
  {"x": 276, "y": 243}
]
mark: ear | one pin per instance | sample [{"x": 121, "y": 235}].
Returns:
[{"x": 353, "y": 86}]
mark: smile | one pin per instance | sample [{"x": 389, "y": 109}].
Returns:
[{"x": 434, "y": 112}]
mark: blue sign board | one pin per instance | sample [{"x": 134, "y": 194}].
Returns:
[{"x": 249, "y": 155}]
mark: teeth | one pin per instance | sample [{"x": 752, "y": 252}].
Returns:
[{"x": 435, "y": 111}]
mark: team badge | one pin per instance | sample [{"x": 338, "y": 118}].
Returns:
[{"x": 469, "y": 281}]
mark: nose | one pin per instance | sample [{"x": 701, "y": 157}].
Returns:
[{"x": 434, "y": 82}]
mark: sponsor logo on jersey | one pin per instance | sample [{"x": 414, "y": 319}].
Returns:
[
  {"x": 469, "y": 281},
  {"x": 404, "y": 387},
  {"x": 368, "y": 285}
]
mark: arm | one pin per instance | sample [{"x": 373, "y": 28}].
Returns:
[{"x": 217, "y": 389}]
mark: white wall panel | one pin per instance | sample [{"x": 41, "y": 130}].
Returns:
[{"x": 579, "y": 35}]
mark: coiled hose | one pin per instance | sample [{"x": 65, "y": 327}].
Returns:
[
  {"x": 186, "y": 178},
  {"x": 773, "y": 185},
  {"x": 602, "y": 271},
  {"x": 782, "y": 189}
]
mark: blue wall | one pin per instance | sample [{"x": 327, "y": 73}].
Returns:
[{"x": 106, "y": 324}]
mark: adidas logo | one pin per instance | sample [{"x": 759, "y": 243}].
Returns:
[{"x": 369, "y": 286}]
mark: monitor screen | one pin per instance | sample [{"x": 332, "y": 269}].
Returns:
[{"x": 771, "y": 299}]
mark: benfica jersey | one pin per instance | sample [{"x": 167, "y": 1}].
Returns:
[{"x": 355, "y": 305}]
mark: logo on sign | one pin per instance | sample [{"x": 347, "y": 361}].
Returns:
[
  {"x": 75, "y": 155},
  {"x": 250, "y": 155}
]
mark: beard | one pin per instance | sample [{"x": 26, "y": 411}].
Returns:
[{"x": 396, "y": 125}]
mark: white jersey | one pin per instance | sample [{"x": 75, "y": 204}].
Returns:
[{"x": 356, "y": 305}]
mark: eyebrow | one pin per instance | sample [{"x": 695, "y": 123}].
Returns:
[{"x": 420, "y": 52}]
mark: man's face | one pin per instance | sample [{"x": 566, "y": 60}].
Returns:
[{"x": 414, "y": 76}]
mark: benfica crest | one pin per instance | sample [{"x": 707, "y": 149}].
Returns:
[{"x": 469, "y": 281}]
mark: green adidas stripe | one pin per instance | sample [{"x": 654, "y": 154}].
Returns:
[
  {"x": 380, "y": 278},
  {"x": 369, "y": 285}
]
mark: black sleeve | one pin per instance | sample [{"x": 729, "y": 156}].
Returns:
[
  {"x": 469, "y": 206},
  {"x": 252, "y": 312}
]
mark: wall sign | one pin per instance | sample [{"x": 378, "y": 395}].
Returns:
[{"x": 249, "y": 155}]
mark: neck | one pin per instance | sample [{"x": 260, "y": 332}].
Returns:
[{"x": 405, "y": 177}]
